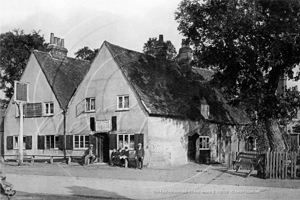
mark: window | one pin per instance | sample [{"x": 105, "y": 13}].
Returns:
[
  {"x": 16, "y": 142},
  {"x": 204, "y": 143},
  {"x": 205, "y": 111},
  {"x": 52, "y": 141},
  {"x": 49, "y": 108},
  {"x": 81, "y": 141},
  {"x": 126, "y": 140},
  {"x": 90, "y": 104},
  {"x": 123, "y": 102}
]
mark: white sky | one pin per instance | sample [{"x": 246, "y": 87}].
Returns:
[{"x": 127, "y": 23}]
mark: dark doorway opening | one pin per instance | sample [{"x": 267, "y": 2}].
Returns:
[
  {"x": 102, "y": 147},
  {"x": 192, "y": 147}
]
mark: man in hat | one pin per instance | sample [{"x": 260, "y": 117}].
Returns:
[
  {"x": 139, "y": 156},
  {"x": 89, "y": 155}
]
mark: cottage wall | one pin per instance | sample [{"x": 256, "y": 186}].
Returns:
[
  {"x": 168, "y": 140},
  {"x": 39, "y": 92},
  {"x": 105, "y": 82}
]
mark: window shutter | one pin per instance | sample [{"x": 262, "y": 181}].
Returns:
[
  {"x": 92, "y": 123},
  {"x": 114, "y": 123},
  {"x": 28, "y": 142},
  {"x": 9, "y": 142},
  {"x": 69, "y": 141},
  {"x": 136, "y": 140},
  {"x": 41, "y": 142},
  {"x": 61, "y": 142},
  {"x": 112, "y": 141}
]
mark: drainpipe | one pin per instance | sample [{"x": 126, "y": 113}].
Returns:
[{"x": 65, "y": 136}]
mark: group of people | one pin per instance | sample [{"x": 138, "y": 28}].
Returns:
[{"x": 120, "y": 157}]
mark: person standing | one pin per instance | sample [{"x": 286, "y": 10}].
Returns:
[{"x": 139, "y": 156}]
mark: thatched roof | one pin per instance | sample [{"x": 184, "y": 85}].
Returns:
[
  {"x": 63, "y": 76},
  {"x": 165, "y": 90}
]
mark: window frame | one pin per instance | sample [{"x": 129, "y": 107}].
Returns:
[
  {"x": 205, "y": 111},
  {"x": 130, "y": 145},
  {"x": 206, "y": 144},
  {"x": 90, "y": 105},
  {"x": 49, "y": 108},
  {"x": 17, "y": 146},
  {"x": 123, "y": 102},
  {"x": 86, "y": 141},
  {"x": 55, "y": 143}
]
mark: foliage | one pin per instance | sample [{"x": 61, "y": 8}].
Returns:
[
  {"x": 86, "y": 53},
  {"x": 252, "y": 44},
  {"x": 15, "y": 49},
  {"x": 150, "y": 47}
]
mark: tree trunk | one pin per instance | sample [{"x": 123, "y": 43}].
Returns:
[{"x": 275, "y": 136}]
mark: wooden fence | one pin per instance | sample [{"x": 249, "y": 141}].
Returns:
[
  {"x": 276, "y": 165},
  {"x": 281, "y": 165}
]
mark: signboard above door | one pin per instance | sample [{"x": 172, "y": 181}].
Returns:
[{"x": 103, "y": 126}]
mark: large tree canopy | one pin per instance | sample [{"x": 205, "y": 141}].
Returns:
[
  {"x": 151, "y": 45},
  {"x": 251, "y": 44},
  {"x": 15, "y": 49}
]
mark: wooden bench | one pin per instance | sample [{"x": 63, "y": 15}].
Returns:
[
  {"x": 32, "y": 158},
  {"x": 252, "y": 160}
]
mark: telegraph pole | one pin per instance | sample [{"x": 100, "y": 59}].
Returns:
[{"x": 21, "y": 134}]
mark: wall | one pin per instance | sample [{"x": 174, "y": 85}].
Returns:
[
  {"x": 39, "y": 91},
  {"x": 105, "y": 81},
  {"x": 168, "y": 141}
]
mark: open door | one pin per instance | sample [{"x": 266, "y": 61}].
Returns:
[{"x": 192, "y": 147}]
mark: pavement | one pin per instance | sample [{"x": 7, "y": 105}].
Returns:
[{"x": 191, "y": 181}]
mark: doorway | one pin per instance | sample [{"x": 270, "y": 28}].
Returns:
[
  {"x": 102, "y": 147},
  {"x": 204, "y": 154},
  {"x": 192, "y": 147}
]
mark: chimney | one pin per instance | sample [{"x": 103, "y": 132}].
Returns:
[
  {"x": 161, "y": 49},
  {"x": 184, "y": 57},
  {"x": 56, "y": 48},
  {"x": 281, "y": 89}
]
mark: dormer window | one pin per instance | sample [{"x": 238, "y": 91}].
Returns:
[
  {"x": 90, "y": 105},
  {"x": 123, "y": 102},
  {"x": 205, "y": 111}
]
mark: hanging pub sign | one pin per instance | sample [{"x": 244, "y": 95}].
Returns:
[{"x": 103, "y": 126}]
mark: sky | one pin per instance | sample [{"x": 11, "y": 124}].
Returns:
[{"x": 126, "y": 23}]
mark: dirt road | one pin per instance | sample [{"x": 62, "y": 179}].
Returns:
[{"x": 191, "y": 181}]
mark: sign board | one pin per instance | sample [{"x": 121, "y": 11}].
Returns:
[
  {"x": 20, "y": 92},
  {"x": 103, "y": 126}
]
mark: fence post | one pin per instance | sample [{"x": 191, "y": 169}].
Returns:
[{"x": 286, "y": 164}]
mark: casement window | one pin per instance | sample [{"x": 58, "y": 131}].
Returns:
[
  {"x": 123, "y": 102},
  {"x": 52, "y": 141},
  {"x": 117, "y": 141},
  {"x": 90, "y": 105},
  {"x": 125, "y": 140},
  {"x": 48, "y": 108},
  {"x": 205, "y": 111},
  {"x": 203, "y": 143},
  {"x": 81, "y": 141},
  {"x": 13, "y": 142}
]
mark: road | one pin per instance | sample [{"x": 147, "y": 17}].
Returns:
[{"x": 103, "y": 182}]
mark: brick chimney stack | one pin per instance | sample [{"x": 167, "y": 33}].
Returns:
[
  {"x": 56, "y": 47},
  {"x": 161, "y": 49},
  {"x": 184, "y": 57}
]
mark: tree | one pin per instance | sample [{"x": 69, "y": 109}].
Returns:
[
  {"x": 150, "y": 47},
  {"x": 252, "y": 44},
  {"x": 86, "y": 53},
  {"x": 15, "y": 49}
]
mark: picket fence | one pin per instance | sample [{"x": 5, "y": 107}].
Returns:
[
  {"x": 276, "y": 165},
  {"x": 281, "y": 165}
]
